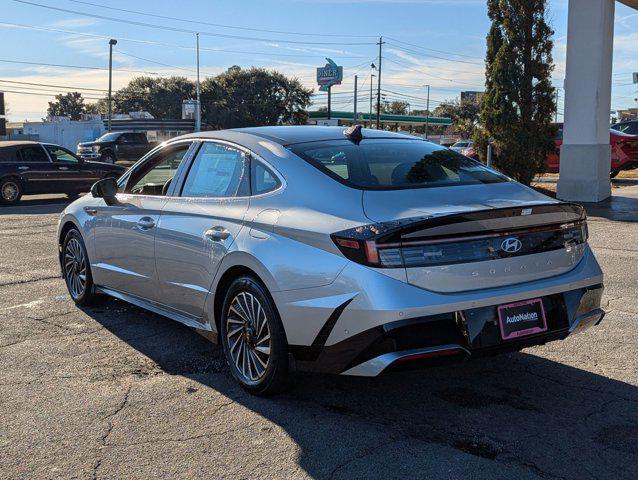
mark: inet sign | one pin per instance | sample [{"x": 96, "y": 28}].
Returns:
[{"x": 329, "y": 75}]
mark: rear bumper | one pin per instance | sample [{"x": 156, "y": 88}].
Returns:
[
  {"x": 429, "y": 356},
  {"x": 447, "y": 338},
  {"x": 365, "y": 315}
]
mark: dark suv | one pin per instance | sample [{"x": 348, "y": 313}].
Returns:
[
  {"x": 33, "y": 168},
  {"x": 115, "y": 146}
]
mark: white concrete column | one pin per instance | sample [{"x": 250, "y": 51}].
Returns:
[{"x": 586, "y": 154}]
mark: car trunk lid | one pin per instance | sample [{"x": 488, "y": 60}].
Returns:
[{"x": 473, "y": 237}]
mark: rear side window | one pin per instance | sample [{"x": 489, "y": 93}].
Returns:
[
  {"x": 263, "y": 180},
  {"x": 33, "y": 154},
  {"x": 394, "y": 164},
  {"x": 217, "y": 171},
  {"x": 8, "y": 155}
]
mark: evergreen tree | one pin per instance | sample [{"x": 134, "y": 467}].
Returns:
[{"x": 518, "y": 106}]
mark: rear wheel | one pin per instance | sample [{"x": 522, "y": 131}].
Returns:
[
  {"x": 76, "y": 270},
  {"x": 10, "y": 191},
  {"x": 253, "y": 338}
]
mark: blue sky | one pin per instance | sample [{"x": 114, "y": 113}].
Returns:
[{"x": 435, "y": 42}]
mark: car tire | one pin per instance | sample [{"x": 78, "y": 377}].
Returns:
[
  {"x": 108, "y": 157},
  {"x": 253, "y": 338},
  {"x": 75, "y": 265},
  {"x": 10, "y": 191}
]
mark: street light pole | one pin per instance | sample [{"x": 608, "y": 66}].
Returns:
[
  {"x": 372, "y": 75},
  {"x": 198, "y": 111},
  {"x": 354, "y": 121},
  {"x": 427, "y": 112},
  {"x": 379, "y": 86},
  {"x": 112, "y": 42}
]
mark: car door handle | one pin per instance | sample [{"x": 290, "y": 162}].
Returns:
[
  {"x": 146, "y": 223},
  {"x": 63, "y": 168},
  {"x": 217, "y": 234},
  {"x": 23, "y": 168}
]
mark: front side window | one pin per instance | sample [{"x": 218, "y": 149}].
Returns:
[
  {"x": 59, "y": 154},
  {"x": 394, "y": 164},
  {"x": 154, "y": 177},
  {"x": 109, "y": 137},
  {"x": 33, "y": 153},
  {"x": 217, "y": 171}
]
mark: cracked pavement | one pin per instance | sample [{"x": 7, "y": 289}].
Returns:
[{"x": 116, "y": 392}]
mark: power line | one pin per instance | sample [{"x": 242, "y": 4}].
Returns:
[
  {"x": 163, "y": 44},
  {"x": 42, "y": 94},
  {"x": 82, "y": 67},
  {"x": 55, "y": 86},
  {"x": 155, "y": 62},
  {"x": 236, "y": 27},
  {"x": 182, "y": 30},
  {"x": 431, "y": 49},
  {"x": 404, "y": 65}
]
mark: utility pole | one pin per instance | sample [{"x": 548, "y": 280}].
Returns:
[
  {"x": 329, "y": 102},
  {"x": 355, "y": 100},
  {"x": 427, "y": 112},
  {"x": 198, "y": 111},
  {"x": 379, "y": 86},
  {"x": 111, "y": 43},
  {"x": 372, "y": 75}
]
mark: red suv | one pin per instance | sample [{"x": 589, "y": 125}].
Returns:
[{"x": 624, "y": 151}]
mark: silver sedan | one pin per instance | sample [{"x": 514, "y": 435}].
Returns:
[{"x": 322, "y": 249}]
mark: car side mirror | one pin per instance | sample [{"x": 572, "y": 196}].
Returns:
[{"x": 106, "y": 189}]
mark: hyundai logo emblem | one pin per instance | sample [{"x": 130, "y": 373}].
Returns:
[{"x": 511, "y": 245}]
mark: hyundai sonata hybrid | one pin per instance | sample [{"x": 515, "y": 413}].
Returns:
[{"x": 322, "y": 249}]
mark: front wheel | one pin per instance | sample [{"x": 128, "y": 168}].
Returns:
[
  {"x": 76, "y": 270},
  {"x": 253, "y": 338},
  {"x": 108, "y": 157}
]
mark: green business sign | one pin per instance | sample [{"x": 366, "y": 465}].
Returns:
[{"x": 329, "y": 75}]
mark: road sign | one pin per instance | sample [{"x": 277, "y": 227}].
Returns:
[{"x": 329, "y": 75}]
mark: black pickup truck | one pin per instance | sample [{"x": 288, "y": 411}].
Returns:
[
  {"x": 34, "y": 168},
  {"x": 114, "y": 146}
]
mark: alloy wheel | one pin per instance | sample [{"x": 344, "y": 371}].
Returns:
[
  {"x": 10, "y": 191},
  {"x": 248, "y": 336},
  {"x": 75, "y": 268}
]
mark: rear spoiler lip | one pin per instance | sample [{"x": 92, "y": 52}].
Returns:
[{"x": 390, "y": 232}]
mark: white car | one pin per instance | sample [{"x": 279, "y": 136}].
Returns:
[{"x": 462, "y": 145}]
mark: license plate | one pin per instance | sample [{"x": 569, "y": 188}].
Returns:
[{"x": 522, "y": 318}]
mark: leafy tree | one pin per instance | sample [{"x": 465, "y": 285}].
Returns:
[
  {"x": 255, "y": 96},
  {"x": 518, "y": 104},
  {"x": 100, "y": 106},
  {"x": 458, "y": 110},
  {"x": 67, "y": 104},
  {"x": 161, "y": 97}
]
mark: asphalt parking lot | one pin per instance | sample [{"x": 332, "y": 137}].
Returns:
[{"x": 116, "y": 392}]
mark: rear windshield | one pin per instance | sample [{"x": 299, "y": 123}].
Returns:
[{"x": 394, "y": 164}]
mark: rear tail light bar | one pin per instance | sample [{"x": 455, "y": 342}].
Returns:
[{"x": 383, "y": 245}]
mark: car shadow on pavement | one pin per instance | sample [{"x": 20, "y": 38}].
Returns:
[
  {"x": 519, "y": 415},
  {"x": 35, "y": 206}
]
